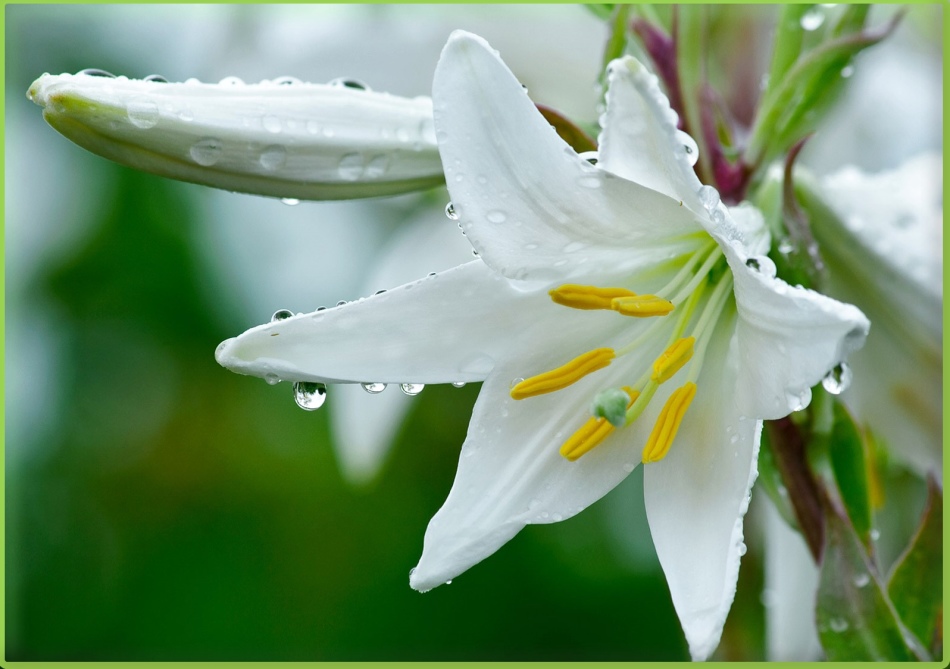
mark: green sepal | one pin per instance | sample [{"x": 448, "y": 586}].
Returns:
[{"x": 914, "y": 583}]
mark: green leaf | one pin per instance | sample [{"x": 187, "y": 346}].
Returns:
[
  {"x": 690, "y": 40},
  {"x": 788, "y": 42},
  {"x": 856, "y": 620},
  {"x": 849, "y": 464},
  {"x": 600, "y": 10},
  {"x": 914, "y": 584},
  {"x": 770, "y": 480}
]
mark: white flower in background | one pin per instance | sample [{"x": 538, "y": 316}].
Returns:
[
  {"x": 625, "y": 285},
  {"x": 282, "y": 138},
  {"x": 885, "y": 252}
]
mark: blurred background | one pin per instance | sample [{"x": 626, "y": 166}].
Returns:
[{"x": 159, "y": 507}]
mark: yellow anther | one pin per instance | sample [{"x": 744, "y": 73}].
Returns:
[
  {"x": 592, "y": 432},
  {"x": 587, "y": 297},
  {"x": 564, "y": 375},
  {"x": 641, "y": 306},
  {"x": 668, "y": 423},
  {"x": 672, "y": 359}
]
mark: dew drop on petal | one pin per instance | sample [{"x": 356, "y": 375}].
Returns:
[
  {"x": 351, "y": 167},
  {"x": 515, "y": 382},
  {"x": 690, "y": 149},
  {"x": 271, "y": 123},
  {"x": 346, "y": 82},
  {"x": 590, "y": 182},
  {"x": 411, "y": 389},
  {"x": 273, "y": 157},
  {"x": 496, "y": 216},
  {"x": 742, "y": 549},
  {"x": 310, "y": 396},
  {"x": 281, "y": 315},
  {"x": 95, "y": 72},
  {"x": 142, "y": 113},
  {"x": 290, "y": 201},
  {"x": 374, "y": 388},
  {"x": 206, "y": 152},
  {"x": 708, "y": 197},
  {"x": 272, "y": 379},
  {"x": 231, "y": 81},
  {"x": 377, "y": 166},
  {"x": 450, "y": 212},
  {"x": 156, "y": 78},
  {"x": 458, "y": 384},
  {"x": 838, "y": 379},
  {"x": 590, "y": 156}
]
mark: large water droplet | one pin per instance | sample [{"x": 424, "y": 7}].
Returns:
[
  {"x": 763, "y": 265},
  {"x": 290, "y": 201},
  {"x": 95, "y": 72},
  {"x": 309, "y": 395},
  {"x": 812, "y": 19},
  {"x": 350, "y": 167},
  {"x": 374, "y": 388},
  {"x": 411, "y": 389},
  {"x": 690, "y": 149},
  {"x": 273, "y": 157},
  {"x": 271, "y": 123},
  {"x": 156, "y": 78},
  {"x": 206, "y": 152},
  {"x": 708, "y": 197},
  {"x": 838, "y": 379},
  {"x": 143, "y": 113},
  {"x": 450, "y": 212},
  {"x": 742, "y": 549},
  {"x": 281, "y": 315}
]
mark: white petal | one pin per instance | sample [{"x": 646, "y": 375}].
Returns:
[
  {"x": 447, "y": 328},
  {"x": 789, "y": 338},
  {"x": 697, "y": 496},
  {"x": 791, "y": 584},
  {"x": 364, "y": 425},
  {"x": 531, "y": 207},
  {"x": 304, "y": 141},
  {"x": 640, "y": 141},
  {"x": 511, "y": 472}
]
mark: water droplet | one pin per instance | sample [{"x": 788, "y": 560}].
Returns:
[
  {"x": 186, "y": 115},
  {"x": 474, "y": 253},
  {"x": 231, "y": 81},
  {"x": 287, "y": 81},
  {"x": 557, "y": 517},
  {"x": 629, "y": 467},
  {"x": 310, "y": 396},
  {"x": 142, "y": 113},
  {"x": 718, "y": 216},
  {"x": 574, "y": 247},
  {"x": 450, "y": 212},
  {"x": 272, "y": 379},
  {"x": 690, "y": 149},
  {"x": 861, "y": 580},
  {"x": 800, "y": 401},
  {"x": 411, "y": 389},
  {"x": 351, "y": 167},
  {"x": 377, "y": 166},
  {"x": 341, "y": 303},
  {"x": 742, "y": 549},
  {"x": 449, "y": 582},
  {"x": 838, "y": 625},
  {"x": 590, "y": 182},
  {"x": 281, "y": 315},
  {"x": 812, "y": 19},
  {"x": 763, "y": 265},
  {"x": 271, "y": 123},
  {"x": 157, "y": 78},
  {"x": 590, "y": 156},
  {"x": 273, "y": 157},
  {"x": 838, "y": 379},
  {"x": 374, "y": 388},
  {"x": 847, "y": 71},
  {"x": 95, "y": 72},
  {"x": 290, "y": 201},
  {"x": 708, "y": 197},
  {"x": 496, "y": 216},
  {"x": 785, "y": 247},
  {"x": 206, "y": 152},
  {"x": 458, "y": 384},
  {"x": 345, "y": 82},
  {"x": 515, "y": 382},
  {"x": 875, "y": 535}
]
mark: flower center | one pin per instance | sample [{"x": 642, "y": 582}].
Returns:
[{"x": 702, "y": 286}]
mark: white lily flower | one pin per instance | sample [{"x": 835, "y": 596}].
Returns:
[
  {"x": 280, "y": 138},
  {"x": 710, "y": 343}
]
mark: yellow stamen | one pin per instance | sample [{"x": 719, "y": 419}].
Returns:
[
  {"x": 641, "y": 306},
  {"x": 668, "y": 423},
  {"x": 587, "y": 297},
  {"x": 564, "y": 375},
  {"x": 592, "y": 432},
  {"x": 672, "y": 359}
]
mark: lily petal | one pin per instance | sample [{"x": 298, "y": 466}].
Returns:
[
  {"x": 789, "y": 338},
  {"x": 547, "y": 217},
  {"x": 640, "y": 140},
  {"x": 697, "y": 496},
  {"x": 393, "y": 337},
  {"x": 303, "y": 141}
]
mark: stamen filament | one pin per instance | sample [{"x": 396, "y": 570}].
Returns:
[
  {"x": 668, "y": 423},
  {"x": 564, "y": 375},
  {"x": 687, "y": 269},
  {"x": 700, "y": 275},
  {"x": 707, "y": 322},
  {"x": 587, "y": 297}
]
